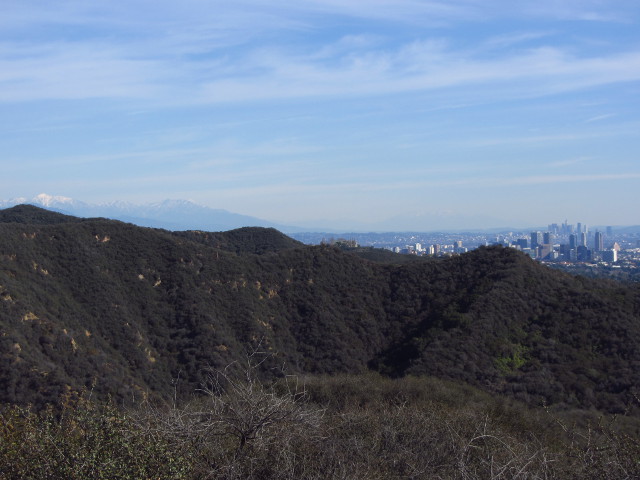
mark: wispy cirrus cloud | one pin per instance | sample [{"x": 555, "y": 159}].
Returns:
[
  {"x": 64, "y": 71},
  {"x": 597, "y": 118},
  {"x": 206, "y": 54},
  {"x": 490, "y": 182},
  {"x": 423, "y": 66},
  {"x": 569, "y": 162},
  {"x": 552, "y": 179},
  {"x": 583, "y": 10}
]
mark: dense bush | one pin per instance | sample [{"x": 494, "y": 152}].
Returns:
[
  {"x": 348, "y": 427},
  {"x": 83, "y": 440}
]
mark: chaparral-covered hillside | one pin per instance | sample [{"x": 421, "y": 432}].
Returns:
[{"x": 129, "y": 311}]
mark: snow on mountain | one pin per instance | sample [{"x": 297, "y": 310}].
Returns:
[
  {"x": 167, "y": 214},
  {"x": 51, "y": 202},
  {"x": 48, "y": 200}
]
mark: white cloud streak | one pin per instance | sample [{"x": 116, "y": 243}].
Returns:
[
  {"x": 597, "y": 118},
  {"x": 72, "y": 72},
  {"x": 423, "y": 67},
  {"x": 211, "y": 52}
]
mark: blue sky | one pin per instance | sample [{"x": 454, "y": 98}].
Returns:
[{"x": 402, "y": 113}]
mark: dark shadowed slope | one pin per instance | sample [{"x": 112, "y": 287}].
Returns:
[
  {"x": 130, "y": 309},
  {"x": 243, "y": 240},
  {"x": 34, "y": 215}
]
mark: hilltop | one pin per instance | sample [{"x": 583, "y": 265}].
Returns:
[
  {"x": 34, "y": 215},
  {"x": 167, "y": 214},
  {"x": 127, "y": 310}
]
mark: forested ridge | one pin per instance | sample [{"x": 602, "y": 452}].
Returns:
[{"x": 129, "y": 311}]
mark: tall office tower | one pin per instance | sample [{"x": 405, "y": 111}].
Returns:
[
  {"x": 573, "y": 241},
  {"x": 583, "y": 239},
  {"x": 544, "y": 251},
  {"x": 598, "y": 242},
  {"x": 536, "y": 239},
  {"x": 547, "y": 238},
  {"x": 609, "y": 231},
  {"x": 579, "y": 228},
  {"x": 584, "y": 254}
]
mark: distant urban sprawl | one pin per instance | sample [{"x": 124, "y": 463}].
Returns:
[{"x": 559, "y": 243}]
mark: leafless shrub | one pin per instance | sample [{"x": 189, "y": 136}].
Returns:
[
  {"x": 374, "y": 429},
  {"x": 485, "y": 451},
  {"x": 600, "y": 451},
  {"x": 238, "y": 422}
]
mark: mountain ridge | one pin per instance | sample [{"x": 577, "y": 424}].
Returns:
[
  {"x": 168, "y": 214},
  {"x": 127, "y": 310},
  {"x": 187, "y": 215}
]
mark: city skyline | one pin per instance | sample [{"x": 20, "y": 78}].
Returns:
[{"x": 455, "y": 114}]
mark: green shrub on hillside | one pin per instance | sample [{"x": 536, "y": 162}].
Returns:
[{"x": 83, "y": 440}]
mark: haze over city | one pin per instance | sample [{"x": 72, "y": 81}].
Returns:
[{"x": 407, "y": 114}]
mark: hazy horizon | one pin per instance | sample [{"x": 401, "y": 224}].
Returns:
[
  {"x": 459, "y": 111},
  {"x": 180, "y": 214}
]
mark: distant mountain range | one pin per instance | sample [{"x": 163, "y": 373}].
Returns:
[
  {"x": 176, "y": 215},
  {"x": 168, "y": 214}
]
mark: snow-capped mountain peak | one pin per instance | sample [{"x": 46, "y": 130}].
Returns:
[
  {"x": 51, "y": 200},
  {"x": 168, "y": 214}
]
